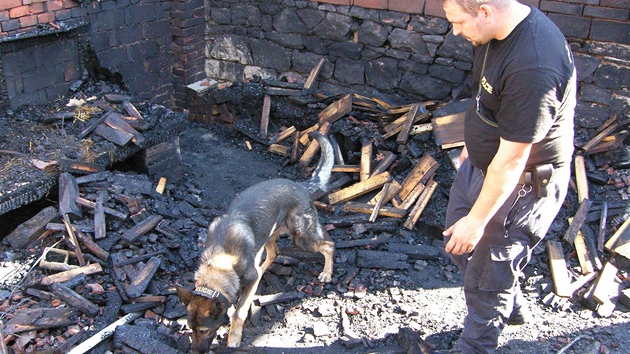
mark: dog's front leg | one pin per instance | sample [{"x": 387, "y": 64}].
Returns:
[{"x": 241, "y": 312}]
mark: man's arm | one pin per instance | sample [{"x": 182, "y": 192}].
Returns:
[{"x": 501, "y": 178}]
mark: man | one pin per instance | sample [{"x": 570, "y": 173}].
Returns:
[{"x": 515, "y": 166}]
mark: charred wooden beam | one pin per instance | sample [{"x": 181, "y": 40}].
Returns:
[{"x": 31, "y": 229}]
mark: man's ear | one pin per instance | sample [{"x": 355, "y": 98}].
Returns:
[
  {"x": 184, "y": 294},
  {"x": 485, "y": 12}
]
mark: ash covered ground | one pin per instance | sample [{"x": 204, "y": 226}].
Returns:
[{"x": 363, "y": 310}]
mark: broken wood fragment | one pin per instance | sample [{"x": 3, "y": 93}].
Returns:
[
  {"x": 601, "y": 235},
  {"x": 69, "y": 274},
  {"x": 449, "y": 130},
  {"x": 99, "y": 217},
  {"x": 559, "y": 273},
  {"x": 284, "y": 134},
  {"x": 580, "y": 177},
  {"x": 264, "y": 120},
  {"x": 599, "y": 137},
  {"x": 264, "y": 300},
  {"x": 394, "y": 188},
  {"x": 31, "y": 229},
  {"x": 92, "y": 205},
  {"x": 412, "y": 343},
  {"x": 578, "y": 221},
  {"x": 114, "y": 135},
  {"x": 336, "y": 184},
  {"x": 413, "y": 196},
  {"x": 103, "y": 334},
  {"x": 39, "y": 319},
  {"x": 369, "y": 209},
  {"x": 95, "y": 123},
  {"x": 141, "y": 281},
  {"x": 620, "y": 238},
  {"x": 313, "y": 74},
  {"x": 79, "y": 167},
  {"x": 421, "y": 203},
  {"x": 379, "y": 202},
  {"x": 382, "y": 260},
  {"x": 418, "y": 251},
  {"x": 606, "y": 286},
  {"x": 373, "y": 241},
  {"x": 366, "y": 160},
  {"x": 141, "y": 228},
  {"x": 420, "y": 174},
  {"x": 359, "y": 188},
  {"x": 313, "y": 147},
  {"x": 121, "y": 263},
  {"x": 115, "y": 121},
  {"x": 74, "y": 300},
  {"x": 92, "y": 246},
  {"x": 346, "y": 168},
  {"x": 336, "y": 110},
  {"x": 406, "y": 126},
  {"x": 382, "y": 166},
  {"x": 279, "y": 149}
]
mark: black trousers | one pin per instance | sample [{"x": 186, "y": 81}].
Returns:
[{"x": 492, "y": 269}]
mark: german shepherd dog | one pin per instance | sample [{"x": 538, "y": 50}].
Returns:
[{"x": 230, "y": 266}]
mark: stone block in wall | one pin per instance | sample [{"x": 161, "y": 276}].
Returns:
[
  {"x": 224, "y": 70},
  {"x": 429, "y": 87},
  {"x": 620, "y": 104},
  {"x": 429, "y": 25},
  {"x": 350, "y": 72},
  {"x": 382, "y": 73},
  {"x": 403, "y": 39},
  {"x": 611, "y": 31},
  {"x": 585, "y": 66},
  {"x": 245, "y": 15},
  {"x": 620, "y": 4},
  {"x": 288, "y": 21},
  {"x": 346, "y": 49},
  {"x": 372, "y": 34},
  {"x": 270, "y": 55},
  {"x": 230, "y": 48},
  {"x": 611, "y": 76},
  {"x": 591, "y": 115},
  {"x": 304, "y": 62},
  {"x": 456, "y": 47},
  {"x": 314, "y": 44},
  {"x": 447, "y": 73},
  {"x": 572, "y": 26},
  {"x": 335, "y": 27},
  {"x": 288, "y": 40},
  {"x": 595, "y": 94}
]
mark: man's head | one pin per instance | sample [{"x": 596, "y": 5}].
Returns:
[{"x": 475, "y": 20}]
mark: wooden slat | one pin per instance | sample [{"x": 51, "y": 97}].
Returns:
[
  {"x": 366, "y": 160},
  {"x": 313, "y": 147},
  {"x": 580, "y": 177},
  {"x": 420, "y": 174},
  {"x": 559, "y": 273},
  {"x": 368, "y": 209},
  {"x": 359, "y": 188},
  {"x": 422, "y": 202},
  {"x": 606, "y": 287},
  {"x": 264, "y": 119},
  {"x": 336, "y": 110},
  {"x": 313, "y": 75},
  {"x": 406, "y": 127},
  {"x": 449, "y": 130},
  {"x": 578, "y": 221},
  {"x": 394, "y": 188}
]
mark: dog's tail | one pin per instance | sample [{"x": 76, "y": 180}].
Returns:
[{"x": 321, "y": 175}]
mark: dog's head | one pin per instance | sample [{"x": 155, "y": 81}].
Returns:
[{"x": 205, "y": 316}]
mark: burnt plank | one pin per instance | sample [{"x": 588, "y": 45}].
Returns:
[
  {"x": 39, "y": 319},
  {"x": 414, "y": 251},
  {"x": 31, "y": 229},
  {"x": 74, "y": 300},
  {"x": 116, "y": 136},
  {"x": 382, "y": 260},
  {"x": 141, "y": 281},
  {"x": 578, "y": 221},
  {"x": 141, "y": 228}
]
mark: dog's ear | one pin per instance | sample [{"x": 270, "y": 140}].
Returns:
[
  {"x": 212, "y": 228},
  {"x": 184, "y": 294},
  {"x": 218, "y": 309}
]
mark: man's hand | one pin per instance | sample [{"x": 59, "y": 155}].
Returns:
[{"x": 465, "y": 234}]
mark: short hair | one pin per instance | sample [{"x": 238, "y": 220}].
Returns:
[{"x": 472, "y": 6}]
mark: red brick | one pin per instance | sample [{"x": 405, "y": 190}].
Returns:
[
  {"x": 434, "y": 8},
  {"x": 18, "y": 11},
  {"x": 372, "y": 4},
  {"x": 68, "y": 4},
  {"x": 46, "y": 17},
  {"x": 7, "y": 4},
  {"x": 54, "y": 5},
  {"x": 411, "y": 7},
  {"x": 28, "y": 21},
  {"x": 36, "y": 8},
  {"x": 337, "y": 2}
]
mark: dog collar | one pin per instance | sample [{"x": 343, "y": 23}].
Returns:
[{"x": 211, "y": 294}]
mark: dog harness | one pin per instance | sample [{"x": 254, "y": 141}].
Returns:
[{"x": 212, "y": 294}]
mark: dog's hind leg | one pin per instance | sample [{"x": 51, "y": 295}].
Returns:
[{"x": 327, "y": 249}]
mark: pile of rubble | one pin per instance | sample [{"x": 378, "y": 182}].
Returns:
[{"x": 112, "y": 248}]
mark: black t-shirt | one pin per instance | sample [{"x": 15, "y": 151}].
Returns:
[{"x": 528, "y": 94}]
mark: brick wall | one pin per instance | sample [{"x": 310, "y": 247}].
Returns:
[{"x": 130, "y": 39}]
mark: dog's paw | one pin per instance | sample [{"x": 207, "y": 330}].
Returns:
[
  {"x": 324, "y": 277},
  {"x": 234, "y": 336}
]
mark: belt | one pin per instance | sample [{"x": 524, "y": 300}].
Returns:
[{"x": 525, "y": 178}]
